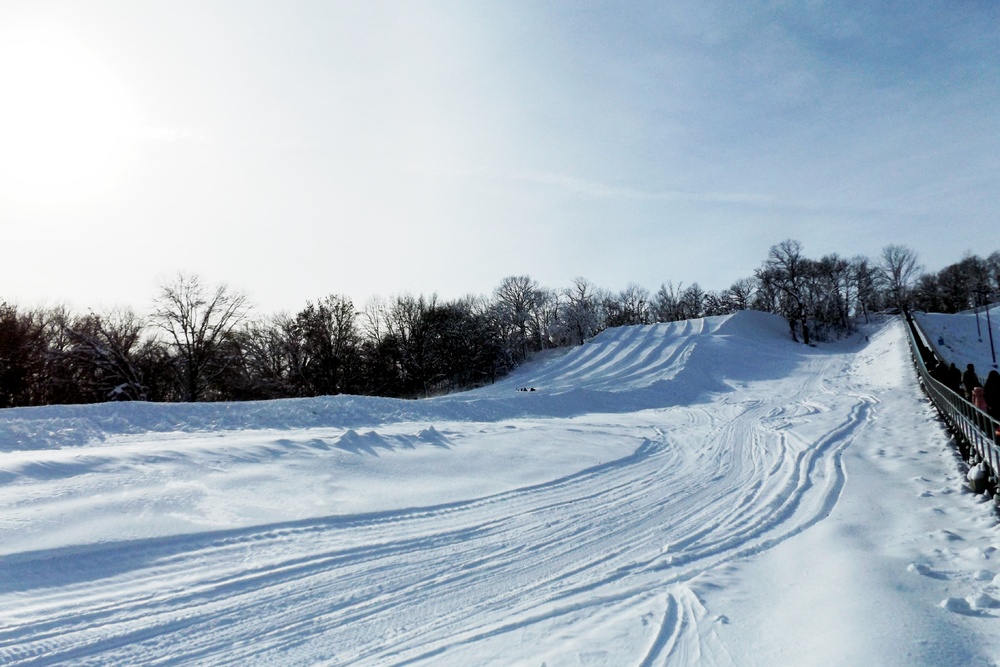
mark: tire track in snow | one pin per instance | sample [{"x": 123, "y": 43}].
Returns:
[
  {"x": 685, "y": 636},
  {"x": 776, "y": 515},
  {"x": 670, "y": 628},
  {"x": 576, "y": 558},
  {"x": 224, "y": 584}
]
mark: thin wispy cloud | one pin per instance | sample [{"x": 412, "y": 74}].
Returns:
[{"x": 600, "y": 190}]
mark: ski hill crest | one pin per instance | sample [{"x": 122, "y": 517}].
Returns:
[{"x": 657, "y": 365}]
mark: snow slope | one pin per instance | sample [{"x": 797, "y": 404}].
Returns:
[
  {"x": 702, "y": 492},
  {"x": 964, "y": 338}
]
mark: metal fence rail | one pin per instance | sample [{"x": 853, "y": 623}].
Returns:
[{"x": 975, "y": 427}]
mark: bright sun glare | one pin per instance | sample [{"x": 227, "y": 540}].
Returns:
[{"x": 64, "y": 121}]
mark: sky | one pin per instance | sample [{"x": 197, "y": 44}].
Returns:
[{"x": 296, "y": 150}]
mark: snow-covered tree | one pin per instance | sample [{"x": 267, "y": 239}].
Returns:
[
  {"x": 580, "y": 318},
  {"x": 113, "y": 351},
  {"x": 515, "y": 301}
]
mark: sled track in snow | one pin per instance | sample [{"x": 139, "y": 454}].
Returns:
[
  {"x": 623, "y": 356},
  {"x": 707, "y": 484}
]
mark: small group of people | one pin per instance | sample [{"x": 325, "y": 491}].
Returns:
[
  {"x": 985, "y": 396},
  {"x": 949, "y": 376}
]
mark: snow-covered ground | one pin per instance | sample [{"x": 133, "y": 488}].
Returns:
[
  {"x": 702, "y": 492},
  {"x": 964, "y": 338}
]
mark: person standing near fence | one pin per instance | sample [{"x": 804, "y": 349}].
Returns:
[
  {"x": 979, "y": 398},
  {"x": 970, "y": 381},
  {"x": 954, "y": 379},
  {"x": 991, "y": 391},
  {"x": 938, "y": 371}
]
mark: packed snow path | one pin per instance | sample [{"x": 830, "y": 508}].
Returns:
[{"x": 578, "y": 524}]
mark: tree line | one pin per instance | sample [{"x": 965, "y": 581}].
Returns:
[{"x": 203, "y": 342}]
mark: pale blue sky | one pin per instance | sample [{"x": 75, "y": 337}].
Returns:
[{"x": 298, "y": 149}]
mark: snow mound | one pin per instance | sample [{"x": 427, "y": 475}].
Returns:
[
  {"x": 659, "y": 365},
  {"x": 958, "y": 606},
  {"x": 984, "y": 601},
  {"x": 622, "y": 369}
]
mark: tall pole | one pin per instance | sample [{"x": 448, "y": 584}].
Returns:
[
  {"x": 975, "y": 308},
  {"x": 989, "y": 328}
]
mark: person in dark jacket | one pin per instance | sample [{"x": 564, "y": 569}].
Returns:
[
  {"x": 938, "y": 371},
  {"x": 970, "y": 381},
  {"x": 992, "y": 393},
  {"x": 954, "y": 379}
]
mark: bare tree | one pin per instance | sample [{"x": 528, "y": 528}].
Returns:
[
  {"x": 926, "y": 293},
  {"x": 788, "y": 272},
  {"x": 111, "y": 346},
  {"x": 22, "y": 356},
  {"x": 580, "y": 311},
  {"x": 329, "y": 340},
  {"x": 692, "y": 301},
  {"x": 899, "y": 268},
  {"x": 665, "y": 305},
  {"x": 515, "y": 300},
  {"x": 628, "y": 307},
  {"x": 740, "y": 293},
  {"x": 379, "y": 349},
  {"x": 993, "y": 266},
  {"x": 197, "y": 320},
  {"x": 268, "y": 353},
  {"x": 832, "y": 279},
  {"x": 864, "y": 276},
  {"x": 405, "y": 343},
  {"x": 544, "y": 323}
]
